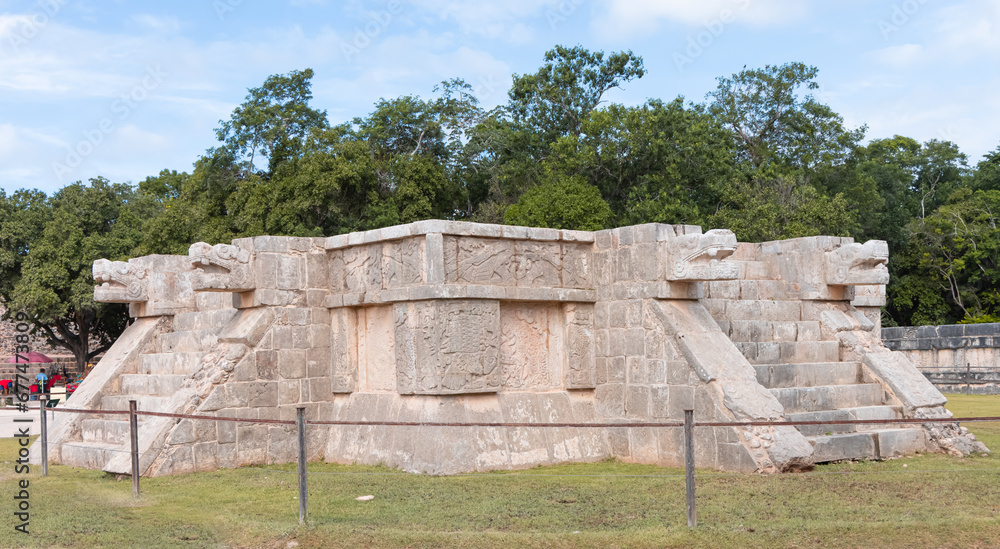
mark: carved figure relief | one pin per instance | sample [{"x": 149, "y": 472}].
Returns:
[
  {"x": 402, "y": 263},
  {"x": 700, "y": 256},
  {"x": 537, "y": 264},
  {"x": 580, "y": 370},
  {"x": 525, "y": 343},
  {"x": 221, "y": 268},
  {"x": 120, "y": 282},
  {"x": 483, "y": 261},
  {"x": 447, "y": 347},
  {"x": 363, "y": 268},
  {"x": 858, "y": 264}
]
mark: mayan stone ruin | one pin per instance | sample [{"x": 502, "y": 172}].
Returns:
[{"x": 440, "y": 321}]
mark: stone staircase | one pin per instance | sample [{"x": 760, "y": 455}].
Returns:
[
  {"x": 160, "y": 373},
  {"x": 804, "y": 373}
]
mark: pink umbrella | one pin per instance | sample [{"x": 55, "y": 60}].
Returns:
[{"x": 31, "y": 357}]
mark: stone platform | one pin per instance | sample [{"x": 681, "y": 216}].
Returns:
[{"x": 440, "y": 321}]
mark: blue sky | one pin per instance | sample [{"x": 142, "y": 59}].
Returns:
[{"x": 125, "y": 89}]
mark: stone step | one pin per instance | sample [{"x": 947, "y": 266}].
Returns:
[
  {"x": 879, "y": 444},
  {"x": 154, "y": 385},
  {"x": 775, "y": 352},
  {"x": 188, "y": 341},
  {"x": 111, "y": 431},
  {"x": 203, "y": 320},
  {"x": 771, "y": 330},
  {"x": 170, "y": 363},
  {"x": 146, "y": 403},
  {"x": 846, "y": 414},
  {"x": 90, "y": 455},
  {"x": 808, "y": 374},
  {"x": 901, "y": 442},
  {"x": 828, "y": 397}
]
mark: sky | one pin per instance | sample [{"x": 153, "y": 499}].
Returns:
[{"x": 124, "y": 90}]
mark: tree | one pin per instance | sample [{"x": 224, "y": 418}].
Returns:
[
  {"x": 504, "y": 153},
  {"x": 952, "y": 264},
  {"x": 272, "y": 122},
  {"x": 47, "y": 271},
  {"x": 987, "y": 175},
  {"x": 773, "y": 126},
  {"x": 561, "y": 203},
  {"x": 761, "y": 210},
  {"x": 940, "y": 172},
  {"x": 555, "y": 100},
  {"x": 658, "y": 162}
]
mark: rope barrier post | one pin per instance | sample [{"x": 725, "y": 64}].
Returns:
[
  {"x": 133, "y": 425},
  {"x": 689, "y": 465},
  {"x": 44, "y": 436},
  {"x": 300, "y": 420}
]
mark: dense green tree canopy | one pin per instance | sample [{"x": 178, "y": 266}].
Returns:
[
  {"x": 51, "y": 244},
  {"x": 761, "y": 156}
]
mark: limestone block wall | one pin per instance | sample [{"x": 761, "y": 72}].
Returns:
[
  {"x": 956, "y": 358},
  {"x": 458, "y": 322}
]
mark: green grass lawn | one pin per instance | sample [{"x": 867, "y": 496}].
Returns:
[{"x": 923, "y": 501}]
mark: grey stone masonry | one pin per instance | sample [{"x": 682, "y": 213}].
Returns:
[
  {"x": 958, "y": 358},
  {"x": 463, "y": 323}
]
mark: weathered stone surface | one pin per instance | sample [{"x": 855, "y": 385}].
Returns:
[
  {"x": 463, "y": 323},
  {"x": 221, "y": 268},
  {"x": 129, "y": 279},
  {"x": 906, "y": 382},
  {"x": 859, "y": 263},
  {"x": 448, "y": 347},
  {"x": 699, "y": 256}
]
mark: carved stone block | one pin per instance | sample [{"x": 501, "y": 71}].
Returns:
[
  {"x": 537, "y": 264},
  {"x": 447, "y": 347},
  {"x": 402, "y": 263},
  {"x": 576, "y": 265},
  {"x": 580, "y": 372},
  {"x": 700, "y": 256},
  {"x": 344, "y": 344},
  {"x": 221, "y": 268},
  {"x": 858, "y": 263},
  {"x": 528, "y": 347},
  {"x": 479, "y": 261}
]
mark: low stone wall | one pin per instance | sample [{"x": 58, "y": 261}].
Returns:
[
  {"x": 957, "y": 358},
  {"x": 8, "y": 345}
]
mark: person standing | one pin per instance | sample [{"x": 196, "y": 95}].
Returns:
[{"x": 42, "y": 380}]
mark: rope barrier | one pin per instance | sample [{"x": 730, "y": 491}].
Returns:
[{"x": 631, "y": 424}]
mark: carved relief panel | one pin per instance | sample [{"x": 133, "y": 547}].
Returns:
[
  {"x": 530, "y": 346},
  {"x": 447, "y": 347}
]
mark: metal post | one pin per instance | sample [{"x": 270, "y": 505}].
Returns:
[
  {"x": 45, "y": 439},
  {"x": 968, "y": 387},
  {"x": 689, "y": 465},
  {"x": 133, "y": 425},
  {"x": 300, "y": 420}
]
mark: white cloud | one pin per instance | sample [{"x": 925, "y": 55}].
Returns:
[
  {"x": 899, "y": 56},
  {"x": 509, "y": 20},
  {"x": 969, "y": 30},
  {"x": 625, "y": 18}
]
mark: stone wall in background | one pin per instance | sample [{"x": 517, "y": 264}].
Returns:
[
  {"x": 958, "y": 358},
  {"x": 8, "y": 345}
]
